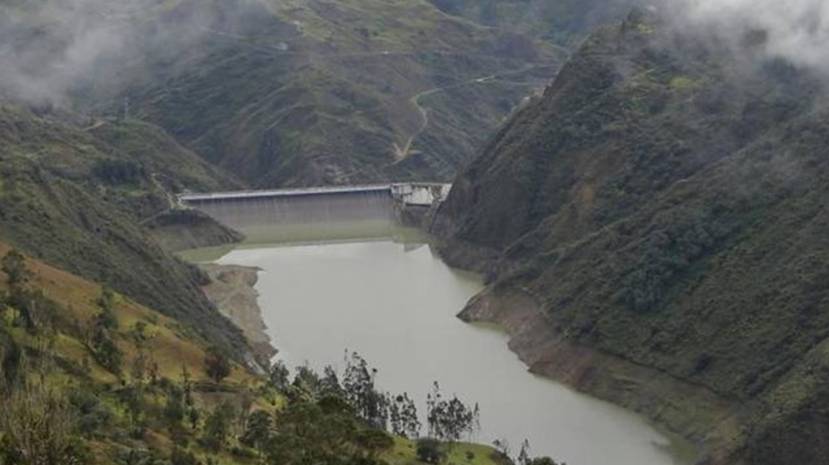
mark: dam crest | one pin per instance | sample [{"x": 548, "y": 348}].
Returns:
[{"x": 338, "y": 211}]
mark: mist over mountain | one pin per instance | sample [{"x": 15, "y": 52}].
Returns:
[
  {"x": 659, "y": 208},
  {"x": 376, "y": 88},
  {"x": 795, "y": 30},
  {"x": 642, "y": 183},
  {"x": 51, "y": 50}
]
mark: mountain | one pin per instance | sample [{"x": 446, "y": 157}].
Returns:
[
  {"x": 90, "y": 376},
  {"x": 561, "y": 22},
  {"x": 76, "y": 193},
  {"x": 288, "y": 92},
  {"x": 654, "y": 233}
]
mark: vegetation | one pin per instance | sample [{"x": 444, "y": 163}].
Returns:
[
  {"x": 563, "y": 22},
  {"x": 216, "y": 365},
  {"x": 161, "y": 406},
  {"x": 668, "y": 217},
  {"x": 39, "y": 425},
  {"x": 449, "y": 419},
  {"x": 55, "y": 207},
  {"x": 277, "y": 118}
]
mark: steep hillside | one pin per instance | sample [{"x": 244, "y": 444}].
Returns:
[
  {"x": 75, "y": 195},
  {"x": 321, "y": 92},
  {"x": 657, "y": 215},
  {"x": 562, "y": 22},
  {"x": 89, "y": 376},
  {"x": 292, "y": 92}
]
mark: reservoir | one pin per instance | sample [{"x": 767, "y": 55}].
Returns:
[{"x": 393, "y": 301}]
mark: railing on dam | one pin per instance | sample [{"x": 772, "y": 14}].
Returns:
[
  {"x": 422, "y": 194},
  {"x": 306, "y": 213}
]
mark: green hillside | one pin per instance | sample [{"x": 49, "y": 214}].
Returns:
[
  {"x": 318, "y": 92},
  {"x": 562, "y": 22},
  {"x": 89, "y": 376},
  {"x": 661, "y": 205},
  {"x": 75, "y": 194}
]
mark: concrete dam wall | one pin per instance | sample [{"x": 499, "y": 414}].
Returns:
[{"x": 316, "y": 213}]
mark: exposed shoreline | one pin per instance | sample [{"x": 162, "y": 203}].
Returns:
[
  {"x": 708, "y": 423},
  {"x": 692, "y": 414},
  {"x": 232, "y": 289}
]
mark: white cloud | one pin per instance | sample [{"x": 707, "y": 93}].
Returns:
[{"x": 797, "y": 30}]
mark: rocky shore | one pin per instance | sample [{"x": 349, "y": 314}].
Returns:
[
  {"x": 699, "y": 421},
  {"x": 232, "y": 290}
]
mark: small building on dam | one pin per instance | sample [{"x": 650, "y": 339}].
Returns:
[{"x": 276, "y": 213}]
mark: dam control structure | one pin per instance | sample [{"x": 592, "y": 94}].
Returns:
[{"x": 337, "y": 211}]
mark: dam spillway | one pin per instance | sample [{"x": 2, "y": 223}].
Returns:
[{"x": 303, "y": 213}]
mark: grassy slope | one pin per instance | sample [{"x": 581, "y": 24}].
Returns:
[
  {"x": 314, "y": 92},
  {"x": 664, "y": 207},
  {"x": 563, "y": 22},
  {"x": 173, "y": 347},
  {"x": 56, "y": 205}
]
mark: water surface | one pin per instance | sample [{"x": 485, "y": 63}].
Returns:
[{"x": 395, "y": 304}]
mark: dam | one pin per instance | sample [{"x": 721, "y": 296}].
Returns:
[
  {"x": 308, "y": 214},
  {"x": 338, "y": 270}
]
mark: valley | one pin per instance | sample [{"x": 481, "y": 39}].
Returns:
[
  {"x": 408, "y": 232},
  {"x": 322, "y": 299}
]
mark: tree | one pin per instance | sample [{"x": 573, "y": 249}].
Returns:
[
  {"x": 106, "y": 303},
  {"x": 373, "y": 441},
  {"x": 306, "y": 381},
  {"x": 502, "y": 446},
  {"x": 19, "y": 297},
  {"x": 105, "y": 351},
  {"x": 543, "y": 461},
  {"x": 279, "y": 376},
  {"x": 429, "y": 451},
  {"x": 524, "y": 454},
  {"x": 217, "y": 426},
  {"x": 12, "y": 362},
  {"x": 187, "y": 388},
  {"x": 93, "y": 416},
  {"x": 330, "y": 383},
  {"x": 258, "y": 430},
  {"x": 37, "y": 427},
  {"x": 323, "y": 432},
  {"x": 358, "y": 385},
  {"x": 217, "y": 365},
  {"x": 403, "y": 419},
  {"x": 449, "y": 419},
  {"x": 181, "y": 456},
  {"x": 13, "y": 265},
  {"x": 140, "y": 366},
  {"x": 174, "y": 408},
  {"x": 133, "y": 399}
]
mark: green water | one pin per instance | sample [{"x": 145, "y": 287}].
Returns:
[{"x": 394, "y": 301}]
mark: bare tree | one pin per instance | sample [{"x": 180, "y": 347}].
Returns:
[
  {"x": 38, "y": 427},
  {"x": 450, "y": 419}
]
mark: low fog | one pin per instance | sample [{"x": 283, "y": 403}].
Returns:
[
  {"x": 795, "y": 30},
  {"x": 50, "y": 48}
]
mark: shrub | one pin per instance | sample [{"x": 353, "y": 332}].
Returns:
[
  {"x": 429, "y": 451},
  {"x": 216, "y": 365}
]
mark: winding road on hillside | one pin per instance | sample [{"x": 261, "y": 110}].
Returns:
[
  {"x": 401, "y": 153},
  {"x": 406, "y": 150}
]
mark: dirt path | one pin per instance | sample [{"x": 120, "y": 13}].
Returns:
[
  {"x": 95, "y": 125},
  {"x": 401, "y": 153},
  {"x": 404, "y": 152}
]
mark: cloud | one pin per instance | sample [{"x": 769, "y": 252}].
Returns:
[
  {"x": 51, "y": 48},
  {"x": 795, "y": 30}
]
